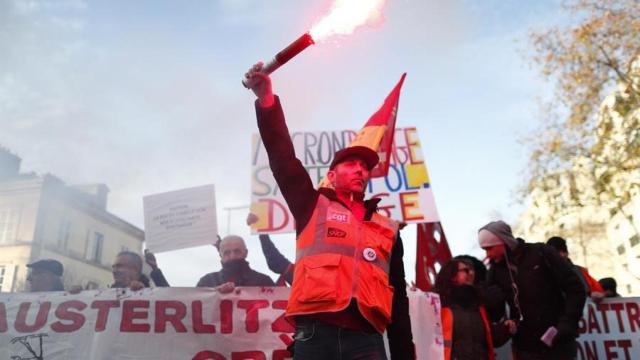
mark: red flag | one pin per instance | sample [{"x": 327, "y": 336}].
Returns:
[
  {"x": 378, "y": 132},
  {"x": 432, "y": 248}
]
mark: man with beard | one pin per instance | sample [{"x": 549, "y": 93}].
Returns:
[
  {"x": 544, "y": 294},
  {"x": 235, "y": 268},
  {"x": 349, "y": 283}
]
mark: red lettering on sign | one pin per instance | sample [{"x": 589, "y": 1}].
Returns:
[
  {"x": 603, "y": 312},
  {"x": 633, "y": 315},
  {"x": 129, "y": 314},
  {"x": 272, "y": 206},
  {"x": 281, "y": 324},
  {"x": 593, "y": 321},
  {"x": 248, "y": 355},
  {"x": 208, "y": 355},
  {"x": 617, "y": 307},
  {"x": 280, "y": 355},
  {"x": 103, "y": 307},
  {"x": 252, "y": 313},
  {"x": 612, "y": 353},
  {"x": 63, "y": 313},
  {"x": 162, "y": 317},
  {"x": 226, "y": 316},
  {"x": 199, "y": 327},
  {"x": 3, "y": 318},
  {"x": 590, "y": 351},
  {"x": 414, "y": 146},
  {"x": 625, "y": 345},
  {"x": 41, "y": 318},
  {"x": 410, "y": 206},
  {"x": 608, "y": 344}
]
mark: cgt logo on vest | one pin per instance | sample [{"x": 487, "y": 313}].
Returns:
[
  {"x": 338, "y": 217},
  {"x": 336, "y": 233}
]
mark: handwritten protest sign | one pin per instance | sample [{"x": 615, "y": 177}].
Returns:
[
  {"x": 180, "y": 219},
  {"x": 405, "y": 192}
]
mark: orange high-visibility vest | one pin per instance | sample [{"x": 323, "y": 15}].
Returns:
[
  {"x": 339, "y": 258},
  {"x": 592, "y": 284},
  {"x": 447, "y": 331}
]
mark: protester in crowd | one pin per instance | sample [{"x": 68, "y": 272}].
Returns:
[
  {"x": 609, "y": 286},
  {"x": 127, "y": 271},
  {"x": 338, "y": 312},
  {"x": 45, "y": 275},
  {"x": 156, "y": 274},
  {"x": 276, "y": 262},
  {"x": 468, "y": 334},
  {"x": 235, "y": 268},
  {"x": 545, "y": 295},
  {"x": 592, "y": 286},
  {"x": 479, "y": 269},
  {"x": 493, "y": 297}
]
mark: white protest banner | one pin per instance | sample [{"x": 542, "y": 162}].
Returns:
[
  {"x": 168, "y": 323},
  {"x": 610, "y": 330},
  {"x": 405, "y": 192},
  {"x": 180, "y": 219}
]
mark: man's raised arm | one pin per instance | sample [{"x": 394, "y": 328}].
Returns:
[{"x": 290, "y": 174}]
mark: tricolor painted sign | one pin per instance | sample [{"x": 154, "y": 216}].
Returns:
[{"x": 405, "y": 192}]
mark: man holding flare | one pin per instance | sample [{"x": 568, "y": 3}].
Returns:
[{"x": 349, "y": 285}]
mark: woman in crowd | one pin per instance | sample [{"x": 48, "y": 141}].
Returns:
[{"x": 467, "y": 332}]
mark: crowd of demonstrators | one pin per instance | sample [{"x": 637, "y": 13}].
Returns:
[
  {"x": 235, "y": 268},
  {"x": 338, "y": 312},
  {"x": 544, "y": 293},
  {"x": 591, "y": 286},
  {"x": 276, "y": 262},
  {"x": 468, "y": 333},
  {"x": 349, "y": 267}
]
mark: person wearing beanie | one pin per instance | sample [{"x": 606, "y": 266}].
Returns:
[{"x": 544, "y": 293}]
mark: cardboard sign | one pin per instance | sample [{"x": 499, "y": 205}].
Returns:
[
  {"x": 180, "y": 219},
  {"x": 405, "y": 192}
]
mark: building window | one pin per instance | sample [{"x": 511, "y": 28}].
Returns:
[
  {"x": 629, "y": 288},
  {"x": 621, "y": 249},
  {"x": 635, "y": 239},
  {"x": 3, "y": 275},
  {"x": 63, "y": 234},
  {"x": 94, "y": 247},
  {"x": 8, "y": 226}
]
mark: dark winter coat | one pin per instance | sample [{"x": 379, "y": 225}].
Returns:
[
  {"x": 549, "y": 293},
  {"x": 245, "y": 277}
]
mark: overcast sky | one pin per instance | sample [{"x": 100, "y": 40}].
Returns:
[{"x": 145, "y": 97}]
